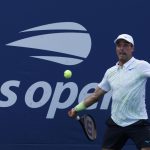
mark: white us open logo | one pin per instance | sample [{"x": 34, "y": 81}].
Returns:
[{"x": 73, "y": 41}]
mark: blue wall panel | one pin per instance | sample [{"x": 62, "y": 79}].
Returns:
[{"x": 75, "y": 35}]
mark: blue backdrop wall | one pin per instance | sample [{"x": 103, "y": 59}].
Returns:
[{"x": 41, "y": 39}]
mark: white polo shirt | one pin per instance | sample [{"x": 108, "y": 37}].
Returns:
[{"x": 128, "y": 91}]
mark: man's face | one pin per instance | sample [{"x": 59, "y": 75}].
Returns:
[{"x": 124, "y": 50}]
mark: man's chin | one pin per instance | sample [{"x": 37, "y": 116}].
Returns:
[{"x": 122, "y": 58}]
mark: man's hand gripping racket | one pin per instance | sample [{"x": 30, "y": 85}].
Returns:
[{"x": 87, "y": 122}]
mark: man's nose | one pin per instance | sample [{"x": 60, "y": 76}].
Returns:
[{"x": 122, "y": 47}]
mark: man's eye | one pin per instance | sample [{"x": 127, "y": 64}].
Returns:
[
  {"x": 126, "y": 45},
  {"x": 119, "y": 45},
  {"x": 123, "y": 45}
]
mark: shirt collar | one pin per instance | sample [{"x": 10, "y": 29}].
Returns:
[{"x": 127, "y": 64}]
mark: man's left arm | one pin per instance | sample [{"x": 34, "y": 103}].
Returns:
[{"x": 145, "y": 68}]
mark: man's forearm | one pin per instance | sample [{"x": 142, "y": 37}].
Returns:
[{"x": 90, "y": 100}]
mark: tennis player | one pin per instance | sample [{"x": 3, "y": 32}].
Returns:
[{"x": 127, "y": 80}]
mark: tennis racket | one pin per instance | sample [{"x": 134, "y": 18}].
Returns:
[{"x": 89, "y": 126}]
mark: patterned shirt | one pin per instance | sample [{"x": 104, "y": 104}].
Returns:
[{"x": 127, "y": 83}]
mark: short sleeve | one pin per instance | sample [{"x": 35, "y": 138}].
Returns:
[
  {"x": 144, "y": 68},
  {"x": 104, "y": 84}
]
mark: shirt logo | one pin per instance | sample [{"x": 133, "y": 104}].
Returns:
[
  {"x": 131, "y": 69},
  {"x": 69, "y": 40}
]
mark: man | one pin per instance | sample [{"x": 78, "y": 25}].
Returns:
[{"x": 127, "y": 80}]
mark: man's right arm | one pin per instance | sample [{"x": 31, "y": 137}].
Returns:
[{"x": 91, "y": 99}]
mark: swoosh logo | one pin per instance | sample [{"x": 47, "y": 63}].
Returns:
[
  {"x": 131, "y": 69},
  {"x": 71, "y": 39}
]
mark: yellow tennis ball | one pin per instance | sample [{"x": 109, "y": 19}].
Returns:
[{"x": 67, "y": 74}]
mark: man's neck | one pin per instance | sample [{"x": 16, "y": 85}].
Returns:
[{"x": 122, "y": 62}]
